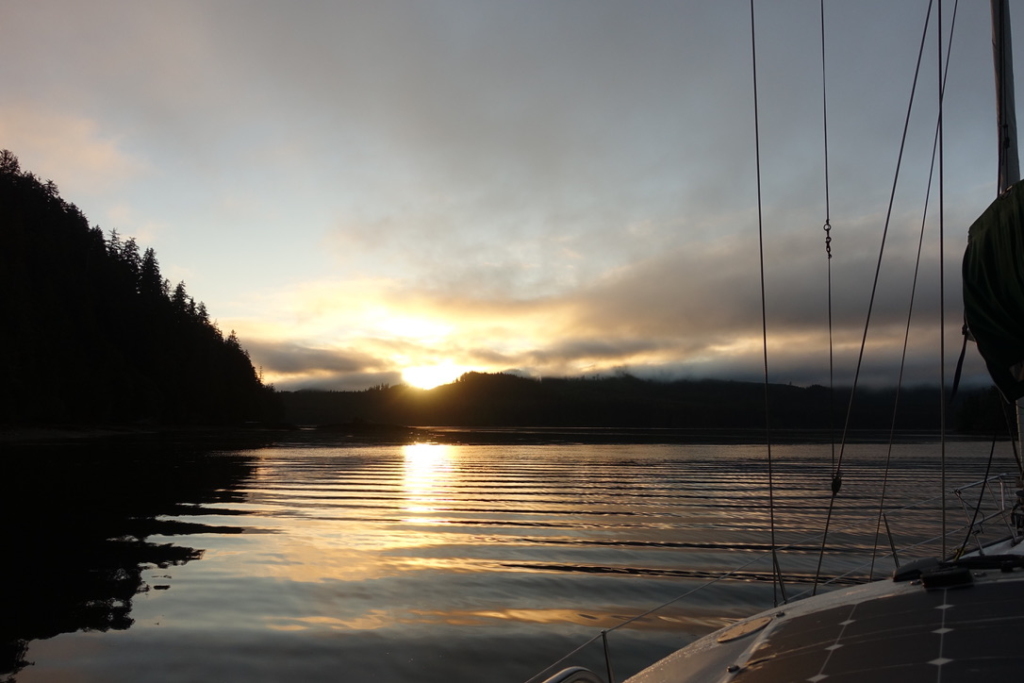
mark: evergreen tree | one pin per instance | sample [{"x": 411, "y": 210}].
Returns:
[{"x": 94, "y": 332}]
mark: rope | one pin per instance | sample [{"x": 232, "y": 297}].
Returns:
[
  {"x": 764, "y": 317},
  {"x": 837, "y": 480}
]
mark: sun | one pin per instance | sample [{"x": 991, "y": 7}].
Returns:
[{"x": 430, "y": 376}]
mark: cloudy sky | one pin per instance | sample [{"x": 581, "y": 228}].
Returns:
[{"x": 366, "y": 189}]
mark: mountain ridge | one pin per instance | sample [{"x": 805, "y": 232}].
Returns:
[{"x": 507, "y": 400}]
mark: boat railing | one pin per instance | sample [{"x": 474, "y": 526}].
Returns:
[
  {"x": 575, "y": 674},
  {"x": 982, "y": 502},
  {"x": 1001, "y": 507}
]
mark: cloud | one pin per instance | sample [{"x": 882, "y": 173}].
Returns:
[
  {"x": 293, "y": 358},
  {"x": 74, "y": 149},
  {"x": 290, "y": 365},
  {"x": 338, "y": 381},
  {"x": 689, "y": 312},
  {"x": 563, "y": 188}
]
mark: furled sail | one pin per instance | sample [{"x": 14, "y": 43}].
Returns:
[{"x": 993, "y": 277}]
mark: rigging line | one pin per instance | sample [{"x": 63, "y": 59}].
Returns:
[
  {"x": 777, "y": 579},
  {"x": 827, "y": 227},
  {"x": 942, "y": 290},
  {"x": 1010, "y": 416},
  {"x": 910, "y": 309},
  {"x": 793, "y": 545},
  {"x": 981, "y": 496},
  {"x": 537, "y": 676},
  {"x": 824, "y": 110},
  {"x": 903, "y": 360},
  {"x": 836, "y": 475},
  {"x": 726, "y": 575},
  {"x": 906, "y": 549},
  {"x": 626, "y": 622}
]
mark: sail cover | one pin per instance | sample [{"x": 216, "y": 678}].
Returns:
[{"x": 993, "y": 275}]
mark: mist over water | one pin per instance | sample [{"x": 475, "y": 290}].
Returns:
[{"x": 427, "y": 563}]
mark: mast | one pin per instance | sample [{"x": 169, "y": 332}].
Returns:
[{"x": 1002, "y": 54}]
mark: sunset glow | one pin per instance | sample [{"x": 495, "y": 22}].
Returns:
[
  {"x": 540, "y": 187},
  {"x": 430, "y": 376}
]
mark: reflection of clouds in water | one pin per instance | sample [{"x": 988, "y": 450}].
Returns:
[
  {"x": 599, "y": 615},
  {"x": 370, "y": 621},
  {"x": 427, "y": 475}
]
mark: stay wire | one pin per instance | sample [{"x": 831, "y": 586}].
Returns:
[
  {"x": 1010, "y": 416},
  {"x": 777, "y": 578},
  {"x": 910, "y": 308},
  {"x": 899, "y": 381},
  {"x": 837, "y": 473},
  {"x": 981, "y": 495},
  {"x": 795, "y": 545},
  {"x": 827, "y": 227},
  {"x": 626, "y": 622},
  {"x": 942, "y": 291}
]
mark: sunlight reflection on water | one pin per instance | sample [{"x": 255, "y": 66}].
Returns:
[
  {"x": 427, "y": 476},
  {"x": 436, "y": 563}
]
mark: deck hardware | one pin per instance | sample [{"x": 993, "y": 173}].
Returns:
[
  {"x": 914, "y": 570},
  {"x": 892, "y": 541},
  {"x": 607, "y": 657},
  {"x": 744, "y": 628},
  {"x": 947, "y": 577}
]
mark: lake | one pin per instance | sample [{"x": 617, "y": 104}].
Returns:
[{"x": 304, "y": 560}]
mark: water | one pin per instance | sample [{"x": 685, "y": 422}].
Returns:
[{"x": 393, "y": 564}]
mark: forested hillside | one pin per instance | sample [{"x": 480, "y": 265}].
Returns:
[
  {"x": 93, "y": 333},
  {"x": 505, "y": 400}
]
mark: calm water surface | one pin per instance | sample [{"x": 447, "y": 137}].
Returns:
[{"x": 424, "y": 563}]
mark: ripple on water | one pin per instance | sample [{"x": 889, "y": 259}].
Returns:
[{"x": 438, "y": 563}]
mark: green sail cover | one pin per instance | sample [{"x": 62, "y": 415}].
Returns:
[{"x": 993, "y": 275}]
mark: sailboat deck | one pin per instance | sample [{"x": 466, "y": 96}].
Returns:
[{"x": 884, "y": 631}]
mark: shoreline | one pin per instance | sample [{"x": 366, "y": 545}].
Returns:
[{"x": 367, "y": 433}]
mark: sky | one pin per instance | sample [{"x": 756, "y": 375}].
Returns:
[{"x": 405, "y": 190}]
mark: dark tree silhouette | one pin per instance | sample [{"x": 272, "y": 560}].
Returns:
[
  {"x": 94, "y": 333},
  {"x": 507, "y": 400},
  {"x": 69, "y": 571}
]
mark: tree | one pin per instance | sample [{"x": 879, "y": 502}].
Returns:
[
  {"x": 9, "y": 163},
  {"x": 151, "y": 284},
  {"x": 96, "y": 333}
]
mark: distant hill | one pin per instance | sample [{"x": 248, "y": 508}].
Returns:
[
  {"x": 505, "y": 400},
  {"x": 92, "y": 333}
]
